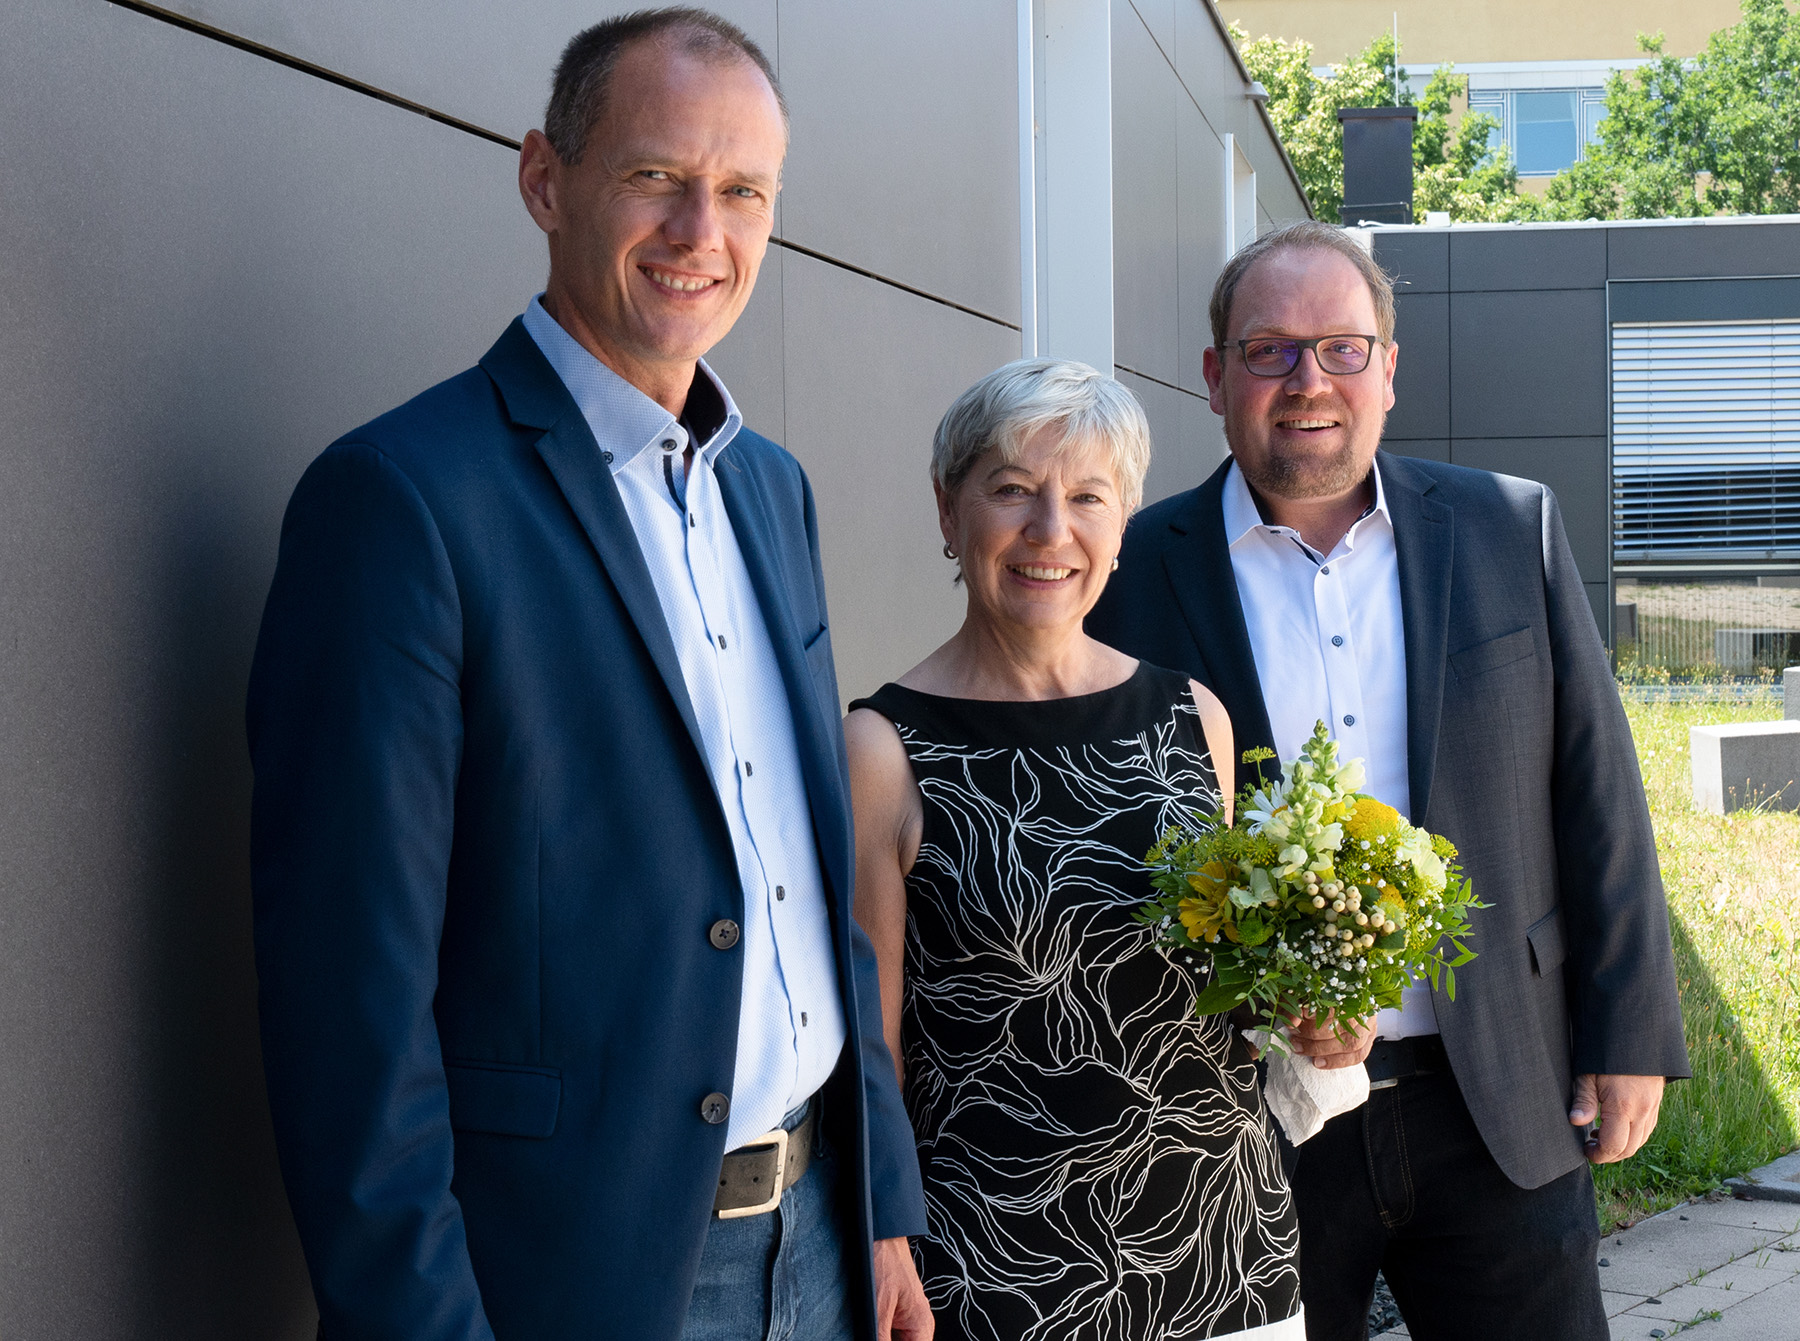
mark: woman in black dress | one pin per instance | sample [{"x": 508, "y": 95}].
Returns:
[{"x": 1098, "y": 1162}]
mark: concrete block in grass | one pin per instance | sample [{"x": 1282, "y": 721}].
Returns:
[{"x": 1739, "y": 764}]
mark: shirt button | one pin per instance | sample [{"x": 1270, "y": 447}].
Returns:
[
  {"x": 1349, "y": 720},
  {"x": 691, "y": 521},
  {"x": 715, "y": 1107},
  {"x": 1326, "y": 572},
  {"x": 1337, "y": 640},
  {"x": 749, "y": 769},
  {"x": 721, "y": 642},
  {"x": 668, "y": 444},
  {"x": 803, "y": 1019},
  {"x": 780, "y": 893},
  {"x": 723, "y": 934},
  {"x": 606, "y": 457}
]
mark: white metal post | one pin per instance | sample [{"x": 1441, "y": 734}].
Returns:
[
  {"x": 1028, "y": 183},
  {"x": 1074, "y": 236}
]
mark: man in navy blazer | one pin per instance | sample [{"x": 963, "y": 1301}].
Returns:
[
  {"x": 568, "y": 1029},
  {"x": 1433, "y": 616}
]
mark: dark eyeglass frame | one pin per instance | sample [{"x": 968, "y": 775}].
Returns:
[{"x": 1296, "y": 346}]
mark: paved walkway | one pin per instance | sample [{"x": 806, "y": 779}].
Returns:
[{"x": 1724, "y": 1270}]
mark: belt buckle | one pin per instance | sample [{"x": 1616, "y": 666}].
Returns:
[{"x": 779, "y": 1139}]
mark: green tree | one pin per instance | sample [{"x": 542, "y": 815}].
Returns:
[
  {"x": 1453, "y": 167},
  {"x": 1718, "y": 134}
]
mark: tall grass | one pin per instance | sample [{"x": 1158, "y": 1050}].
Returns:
[{"x": 1734, "y": 897}]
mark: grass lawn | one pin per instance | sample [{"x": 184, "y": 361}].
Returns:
[{"x": 1734, "y": 897}]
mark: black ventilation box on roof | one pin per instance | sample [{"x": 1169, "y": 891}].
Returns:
[{"x": 1378, "y": 164}]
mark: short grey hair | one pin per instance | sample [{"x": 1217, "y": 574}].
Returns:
[
  {"x": 1002, "y": 411},
  {"x": 1307, "y": 235}
]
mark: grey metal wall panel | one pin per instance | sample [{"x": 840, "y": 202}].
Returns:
[
  {"x": 1199, "y": 238},
  {"x": 1427, "y": 449},
  {"x": 1689, "y": 300},
  {"x": 1751, "y": 247},
  {"x": 1422, "y": 375},
  {"x": 1159, "y": 17},
  {"x": 1527, "y": 258},
  {"x": 870, "y": 371},
  {"x": 1207, "y": 69},
  {"x": 1599, "y": 596},
  {"x": 1528, "y": 364},
  {"x": 1575, "y": 471},
  {"x": 480, "y": 62},
  {"x": 1181, "y": 453},
  {"x": 905, "y": 147},
  {"x": 1145, "y": 199},
  {"x": 750, "y": 360},
  {"x": 1417, "y": 259},
  {"x": 248, "y": 263}
]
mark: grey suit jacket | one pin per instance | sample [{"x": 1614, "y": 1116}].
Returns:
[{"x": 1518, "y": 752}]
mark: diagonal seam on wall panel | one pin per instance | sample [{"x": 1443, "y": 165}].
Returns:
[
  {"x": 344, "y": 81},
  {"x": 1197, "y": 395},
  {"x": 330, "y": 76}
]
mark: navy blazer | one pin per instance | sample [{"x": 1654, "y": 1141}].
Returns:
[
  {"x": 1518, "y": 751},
  {"x": 486, "y": 854}
]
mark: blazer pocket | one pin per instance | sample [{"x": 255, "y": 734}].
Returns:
[
  {"x": 1546, "y": 939},
  {"x": 502, "y": 1099},
  {"x": 1519, "y": 645}
]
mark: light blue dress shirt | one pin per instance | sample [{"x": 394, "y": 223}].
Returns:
[{"x": 791, "y": 1017}]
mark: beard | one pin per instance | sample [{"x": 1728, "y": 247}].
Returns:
[{"x": 1298, "y": 472}]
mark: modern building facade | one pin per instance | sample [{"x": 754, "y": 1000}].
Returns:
[
  {"x": 1647, "y": 371},
  {"x": 232, "y": 230},
  {"x": 1538, "y": 67}
]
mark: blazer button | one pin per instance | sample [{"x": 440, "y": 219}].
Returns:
[
  {"x": 723, "y": 934},
  {"x": 715, "y": 1107}
]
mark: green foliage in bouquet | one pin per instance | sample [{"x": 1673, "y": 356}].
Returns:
[{"x": 1318, "y": 899}]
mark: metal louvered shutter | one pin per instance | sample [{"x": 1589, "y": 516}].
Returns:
[{"x": 1706, "y": 440}]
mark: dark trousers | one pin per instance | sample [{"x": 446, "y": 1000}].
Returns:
[{"x": 1405, "y": 1185}]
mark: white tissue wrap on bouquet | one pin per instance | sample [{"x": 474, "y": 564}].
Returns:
[{"x": 1303, "y": 1096}]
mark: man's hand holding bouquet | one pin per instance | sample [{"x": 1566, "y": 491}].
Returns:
[{"x": 1319, "y": 902}]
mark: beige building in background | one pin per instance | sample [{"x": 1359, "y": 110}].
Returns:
[{"x": 1538, "y": 66}]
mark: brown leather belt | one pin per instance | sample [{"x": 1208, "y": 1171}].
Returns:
[{"x": 753, "y": 1177}]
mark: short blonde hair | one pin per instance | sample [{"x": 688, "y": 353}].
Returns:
[
  {"x": 1307, "y": 235},
  {"x": 1013, "y": 403}
]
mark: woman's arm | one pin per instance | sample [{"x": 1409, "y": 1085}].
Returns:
[
  {"x": 890, "y": 816},
  {"x": 1215, "y": 723}
]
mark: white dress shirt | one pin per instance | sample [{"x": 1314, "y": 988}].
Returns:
[
  {"x": 791, "y": 1017},
  {"x": 1330, "y": 644}
]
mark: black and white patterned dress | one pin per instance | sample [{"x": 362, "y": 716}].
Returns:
[{"x": 1098, "y": 1162}]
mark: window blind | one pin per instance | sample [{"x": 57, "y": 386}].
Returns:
[{"x": 1706, "y": 439}]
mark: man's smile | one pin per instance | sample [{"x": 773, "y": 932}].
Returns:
[{"x": 677, "y": 283}]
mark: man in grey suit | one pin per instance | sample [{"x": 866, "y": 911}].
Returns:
[{"x": 1433, "y": 616}]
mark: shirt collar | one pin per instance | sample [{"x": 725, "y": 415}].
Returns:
[
  {"x": 623, "y": 420},
  {"x": 1242, "y": 517}
]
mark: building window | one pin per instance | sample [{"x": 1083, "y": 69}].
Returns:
[
  {"x": 1545, "y": 130},
  {"x": 1546, "y": 139}
]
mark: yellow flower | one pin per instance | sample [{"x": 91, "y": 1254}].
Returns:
[
  {"x": 1370, "y": 820},
  {"x": 1209, "y": 912}
]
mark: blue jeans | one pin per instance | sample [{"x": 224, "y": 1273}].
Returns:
[{"x": 781, "y": 1276}]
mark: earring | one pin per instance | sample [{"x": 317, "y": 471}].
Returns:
[
  {"x": 1115, "y": 567},
  {"x": 949, "y": 553}
]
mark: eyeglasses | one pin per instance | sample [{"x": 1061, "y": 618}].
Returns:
[{"x": 1276, "y": 356}]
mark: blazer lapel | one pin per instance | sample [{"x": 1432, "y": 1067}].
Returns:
[
  {"x": 536, "y": 398},
  {"x": 1424, "y": 546},
  {"x": 1198, "y": 564},
  {"x": 751, "y": 524}
]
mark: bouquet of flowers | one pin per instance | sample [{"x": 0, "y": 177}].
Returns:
[{"x": 1319, "y": 899}]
